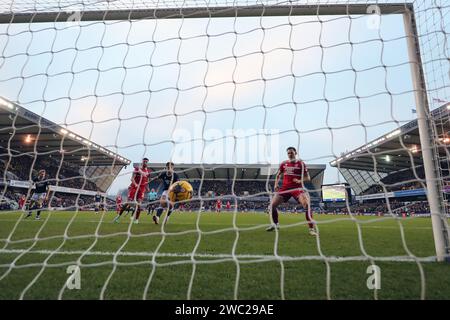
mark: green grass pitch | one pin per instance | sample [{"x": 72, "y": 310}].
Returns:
[{"x": 234, "y": 255}]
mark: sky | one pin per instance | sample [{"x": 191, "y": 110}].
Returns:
[{"x": 224, "y": 90}]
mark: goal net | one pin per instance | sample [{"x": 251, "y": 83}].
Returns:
[{"x": 222, "y": 89}]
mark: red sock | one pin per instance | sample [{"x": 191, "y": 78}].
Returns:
[
  {"x": 138, "y": 213},
  {"x": 309, "y": 217},
  {"x": 275, "y": 215}
]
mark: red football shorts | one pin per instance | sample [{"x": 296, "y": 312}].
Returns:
[
  {"x": 287, "y": 193},
  {"x": 136, "y": 193}
]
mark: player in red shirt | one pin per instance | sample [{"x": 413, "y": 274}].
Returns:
[
  {"x": 218, "y": 205},
  {"x": 118, "y": 203},
  {"x": 228, "y": 205},
  {"x": 294, "y": 173},
  {"x": 136, "y": 190},
  {"x": 22, "y": 201}
]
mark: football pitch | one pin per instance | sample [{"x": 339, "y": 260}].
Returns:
[{"x": 217, "y": 256}]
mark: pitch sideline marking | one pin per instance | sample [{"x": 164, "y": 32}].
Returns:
[{"x": 210, "y": 255}]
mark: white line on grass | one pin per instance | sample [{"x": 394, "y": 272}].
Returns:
[
  {"x": 287, "y": 225},
  {"x": 217, "y": 255}
]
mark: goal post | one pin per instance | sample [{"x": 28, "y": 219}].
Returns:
[
  {"x": 428, "y": 140},
  {"x": 207, "y": 12}
]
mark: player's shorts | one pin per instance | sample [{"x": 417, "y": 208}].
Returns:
[
  {"x": 39, "y": 196},
  {"x": 287, "y": 193},
  {"x": 166, "y": 195},
  {"x": 136, "y": 194},
  {"x": 97, "y": 204}
]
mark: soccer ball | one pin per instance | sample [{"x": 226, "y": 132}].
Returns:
[{"x": 180, "y": 191}]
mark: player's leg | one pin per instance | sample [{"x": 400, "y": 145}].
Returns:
[
  {"x": 163, "y": 202},
  {"x": 139, "y": 199},
  {"x": 120, "y": 212},
  {"x": 30, "y": 208},
  {"x": 126, "y": 205},
  {"x": 138, "y": 209},
  {"x": 304, "y": 200},
  {"x": 276, "y": 201},
  {"x": 130, "y": 209},
  {"x": 40, "y": 204},
  {"x": 32, "y": 204},
  {"x": 170, "y": 206},
  {"x": 123, "y": 208}
]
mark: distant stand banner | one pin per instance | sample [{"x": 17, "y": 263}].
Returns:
[
  {"x": 19, "y": 184},
  {"x": 27, "y": 184},
  {"x": 75, "y": 191},
  {"x": 410, "y": 193},
  {"x": 375, "y": 196},
  {"x": 395, "y": 194}
]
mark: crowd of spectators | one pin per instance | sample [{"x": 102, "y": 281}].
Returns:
[
  {"x": 402, "y": 180},
  {"x": 9, "y": 200},
  {"x": 242, "y": 206},
  {"x": 220, "y": 188},
  {"x": 395, "y": 206}
]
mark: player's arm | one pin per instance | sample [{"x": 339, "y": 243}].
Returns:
[
  {"x": 277, "y": 180},
  {"x": 153, "y": 179},
  {"x": 305, "y": 178},
  {"x": 175, "y": 178},
  {"x": 47, "y": 196},
  {"x": 133, "y": 175},
  {"x": 158, "y": 177}
]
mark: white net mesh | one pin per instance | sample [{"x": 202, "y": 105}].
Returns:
[{"x": 222, "y": 88}]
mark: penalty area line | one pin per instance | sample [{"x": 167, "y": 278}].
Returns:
[{"x": 219, "y": 255}]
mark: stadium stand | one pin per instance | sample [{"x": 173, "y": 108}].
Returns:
[
  {"x": 77, "y": 168},
  {"x": 384, "y": 168},
  {"x": 391, "y": 160}
]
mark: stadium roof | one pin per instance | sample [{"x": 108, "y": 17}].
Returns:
[
  {"x": 252, "y": 172},
  {"x": 24, "y": 130},
  {"x": 397, "y": 150}
]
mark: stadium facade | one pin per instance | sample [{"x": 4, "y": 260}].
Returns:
[{"x": 74, "y": 164}]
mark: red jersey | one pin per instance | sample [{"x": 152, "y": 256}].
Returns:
[
  {"x": 219, "y": 203},
  {"x": 21, "y": 202},
  {"x": 228, "y": 205},
  {"x": 119, "y": 200},
  {"x": 293, "y": 170},
  {"x": 140, "y": 177}
]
